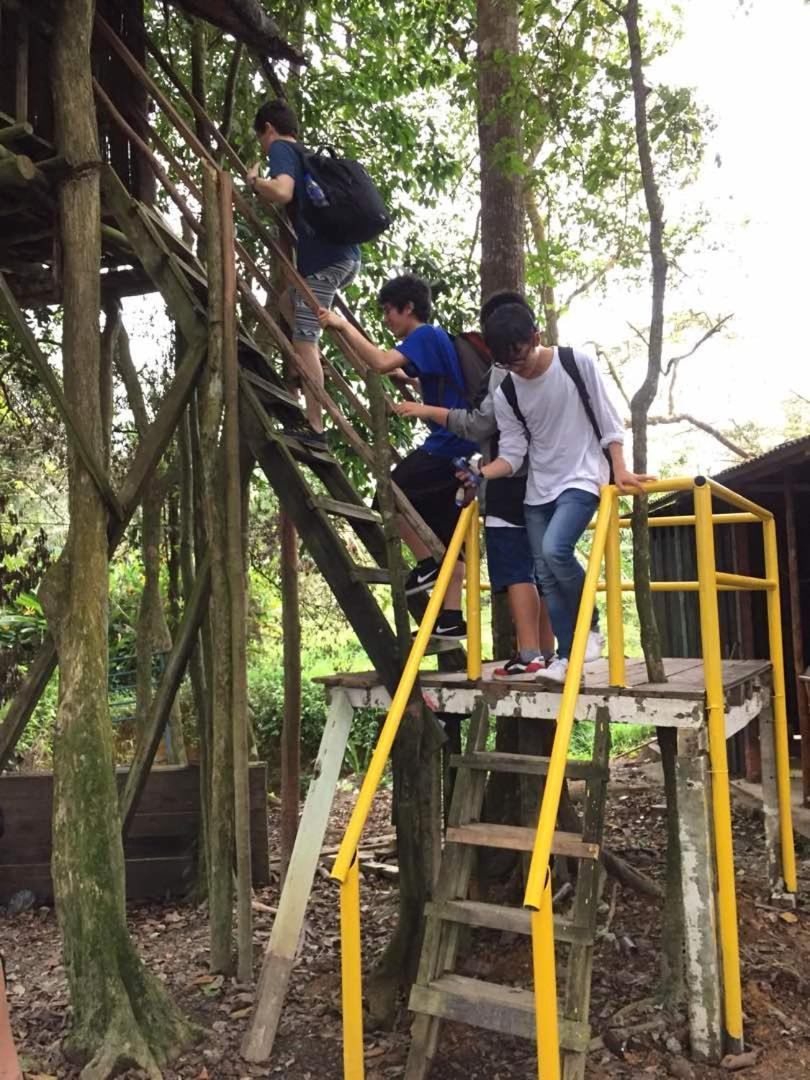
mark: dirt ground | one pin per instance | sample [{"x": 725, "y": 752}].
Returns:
[{"x": 775, "y": 948}]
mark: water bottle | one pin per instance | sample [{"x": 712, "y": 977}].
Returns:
[{"x": 315, "y": 192}]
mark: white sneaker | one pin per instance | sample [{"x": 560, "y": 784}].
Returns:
[
  {"x": 594, "y": 646},
  {"x": 555, "y": 672}
]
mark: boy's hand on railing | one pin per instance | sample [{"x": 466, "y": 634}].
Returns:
[
  {"x": 412, "y": 408},
  {"x": 469, "y": 473},
  {"x": 331, "y": 320},
  {"x": 627, "y": 482}
]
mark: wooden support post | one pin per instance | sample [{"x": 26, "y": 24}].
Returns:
[
  {"x": 21, "y": 74},
  {"x": 291, "y": 727},
  {"x": 15, "y": 131},
  {"x": 770, "y": 796},
  {"x": 235, "y": 568},
  {"x": 796, "y": 639},
  {"x": 16, "y": 171},
  {"x": 280, "y": 955},
  {"x": 693, "y": 783},
  {"x": 184, "y": 644}
]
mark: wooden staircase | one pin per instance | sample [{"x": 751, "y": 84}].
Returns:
[
  {"x": 441, "y": 992},
  {"x": 310, "y": 483}
]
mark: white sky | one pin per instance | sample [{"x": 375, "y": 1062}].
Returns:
[{"x": 749, "y": 65}]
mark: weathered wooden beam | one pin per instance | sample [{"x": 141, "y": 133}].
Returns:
[
  {"x": 184, "y": 643},
  {"x": 25, "y": 700},
  {"x": 21, "y": 73},
  {"x": 16, "y": 171},
  {"x": 796, "y": 636},
  {"x": 14, "y": 131},
  {"x": 46, "y": 373}
]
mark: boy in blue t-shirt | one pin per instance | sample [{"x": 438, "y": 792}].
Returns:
[
  {"x": 427, "y": 475},
  {"x": 326, "y": 267}
]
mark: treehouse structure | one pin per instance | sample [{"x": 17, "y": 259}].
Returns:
[{"x": 223, "y": 296}]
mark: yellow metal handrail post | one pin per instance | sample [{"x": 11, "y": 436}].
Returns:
[
  {"x": 382, "y": 751},
  {"x": 613, "y": 585},
  {"x": 472, "y": 554},
  {"x": 721, "y": 795},
  {"x": 351, "y": 974},
  {"x": 545, "y": 988},
  {"x": 538, "y": 885},
  {"x": 780, "y": 724}
]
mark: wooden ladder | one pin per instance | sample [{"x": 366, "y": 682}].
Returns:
[
  {"x": 440, "y": 992},
  {"x": 310, "y": 483}
]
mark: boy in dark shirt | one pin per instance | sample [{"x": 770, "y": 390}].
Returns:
[
  {"x": 326, "y": 267},
  {"x": 426, "y": 475}
]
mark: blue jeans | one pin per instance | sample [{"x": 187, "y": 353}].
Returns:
[{"x": 554, "y": 529}]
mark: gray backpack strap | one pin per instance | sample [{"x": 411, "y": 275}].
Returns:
[
  {"x": 510, "y": 393},
  {"x": 569, "y": 364}
]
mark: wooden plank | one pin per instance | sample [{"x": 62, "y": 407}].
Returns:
[
  {"x": 350, "y": 511},
  {"x": 523, "y": 763},
  {"x": 277, "y": 393},
  {"x": 499, "y": 917},
  {"x": 507, "y": 1009},
  {"x": 518, "y": 838},
  {"x": 373, "y": 575},
  {"x": 22, "y": 331},
  {"x": 279, "y": 957}
]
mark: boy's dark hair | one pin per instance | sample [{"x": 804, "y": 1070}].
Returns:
[
  {"x": 280, "y": 115},
  {"x": 507, "y": 330},
  {"x": 498, "y": 299},
  {"x": 407, "y": 289}
]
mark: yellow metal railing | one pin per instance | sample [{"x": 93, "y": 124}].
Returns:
[
  {"x": 605, "y": 546},
  {"x": 346, "y": 867},
  {"x": 710, "y": 581}
]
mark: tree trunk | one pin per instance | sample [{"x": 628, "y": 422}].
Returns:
[
  {"x": 672, "y": 955},
  {"x": 499, "y": 139},
  {"x": 221, "y": 814},
  {"x": 122, "y": 1015}
]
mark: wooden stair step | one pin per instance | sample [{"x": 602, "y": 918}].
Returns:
[
  {"x": 527, "y": 764},
  {"x": 500, "y": 917},
  {"x": 507, "y": 1009},
  {"x": 519, "y": 838},
  {"x": 373, "y": 575},
  {"x": 350, "y": 511},
  {"x": 278, "y": 393}
]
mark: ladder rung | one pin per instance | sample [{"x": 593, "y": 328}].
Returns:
[
  {"x": 499, "y": 917},
  {"x": 372, "y": 575},
  {"x": 519, "y": 838},
  {"x": 507, "y": 1009},
  {"x": 265, "y": 387},
  {"x": 350, "y": 511},
  {"x": 528, "y": 764}
]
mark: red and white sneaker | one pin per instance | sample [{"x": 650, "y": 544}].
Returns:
[{"x": 516, "y": 667}]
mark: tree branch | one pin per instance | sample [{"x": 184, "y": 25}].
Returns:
[
  {"x": 687, "y": 418},
  {"x": 709, "y": 333}
]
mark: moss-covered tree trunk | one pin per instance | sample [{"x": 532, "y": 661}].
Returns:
[{"x": 121, "y": 1013}]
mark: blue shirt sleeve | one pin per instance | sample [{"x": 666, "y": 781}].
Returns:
[{"x": 282, "y": 160}]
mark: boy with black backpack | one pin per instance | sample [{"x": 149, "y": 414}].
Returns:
[
  {"x": 563, "y": 418},
  {"x": 326, "y": 265},
  {"x": 427, "y": 474}
]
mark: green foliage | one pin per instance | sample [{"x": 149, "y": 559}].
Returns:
[{"x": 624, "y": 739}]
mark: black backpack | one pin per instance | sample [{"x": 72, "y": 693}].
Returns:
[
  {"x": 569, "y": 364},
  {"x": 354, "y": 212}
]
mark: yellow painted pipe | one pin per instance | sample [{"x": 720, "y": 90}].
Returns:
[
  {"x": 565, "y": 719},
  {"x": 743, "y": 581},
  {"x": 729, "y": 496},
  {"x": 473, "y": 561},
  {"x": 382, "y": 751},
  {"x": 721, "y": 796},
  {"x": 615, "y": 616},
  {"x": 670, "y": 586},
  {"x": 780, "y": 724},
  {"x": 351, "y": 974},
  {"x": 689, "y": 519},
  {"x": 545, "y": 988}
]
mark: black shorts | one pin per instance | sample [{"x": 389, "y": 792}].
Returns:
[{"x": 430, "y": 483}]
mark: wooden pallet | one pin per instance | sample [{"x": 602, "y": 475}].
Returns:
[{"x": 442, "y": 993}]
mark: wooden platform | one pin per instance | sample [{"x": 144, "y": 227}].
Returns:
[{"x": 677, "y": 703}]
